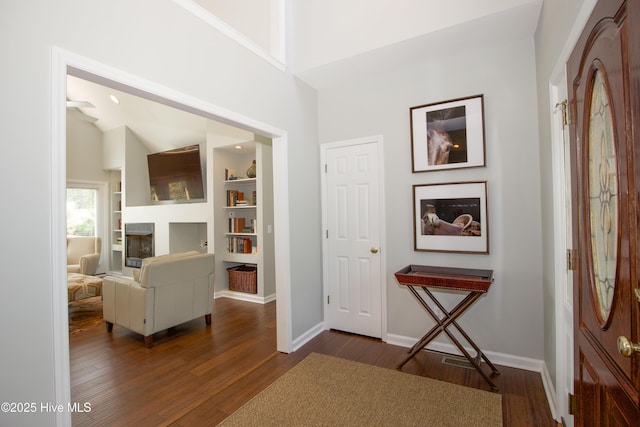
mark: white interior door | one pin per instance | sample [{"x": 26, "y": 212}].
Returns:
[
  {"x": 353, "y": 219},
  {"x": 563, "y": 243},
  {"x": 566, "y": 307}
]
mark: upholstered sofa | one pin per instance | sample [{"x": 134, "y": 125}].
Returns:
[
  {"x": 166, "y": 291},
  {"x": 83, "y": 254}
]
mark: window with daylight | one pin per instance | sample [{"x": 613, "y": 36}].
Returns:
[{"x": 82, "y": 211}]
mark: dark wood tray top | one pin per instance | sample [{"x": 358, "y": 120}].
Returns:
[{"x": 464, "y": 279}]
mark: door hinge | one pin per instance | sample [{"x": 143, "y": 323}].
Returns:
[
  {"x": 572, "y": 260},
  {"x": 566, "y": 112},
  {"x": 573, "y": 401},
  {"x": 326, "y": 233},
  {"x": 328, "y": 299},
  {"x": 325, "y": 168}
]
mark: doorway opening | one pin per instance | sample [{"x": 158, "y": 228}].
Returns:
[{"x": 65, "y": 63}]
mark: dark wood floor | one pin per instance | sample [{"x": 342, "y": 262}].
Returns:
[{"x": 197, "y": 375}]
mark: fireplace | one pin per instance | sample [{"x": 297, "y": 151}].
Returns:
[{"x": 138, "y": 243}]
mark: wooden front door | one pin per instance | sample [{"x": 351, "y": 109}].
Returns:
[{"x": 604, "y": 97}]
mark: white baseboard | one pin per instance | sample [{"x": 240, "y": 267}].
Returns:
[
  {"x": 550, "y": 391},
  {"x": 243, "y": 296},
  {"x": 307, "y": 336},
  {"x": 502, "y": 359}
]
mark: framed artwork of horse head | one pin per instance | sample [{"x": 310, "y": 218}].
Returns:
[{"x": 448, "y": 135}]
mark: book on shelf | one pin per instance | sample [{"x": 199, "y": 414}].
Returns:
[
  {"x": 233, "y": 196},
  {"x": 241, "y": 225},
  {"x": 253, "y": 199},
  {"x": 240, "y": 245},
  {"x": 236, "y": 225},
  {"x": 230, "y": 174}
]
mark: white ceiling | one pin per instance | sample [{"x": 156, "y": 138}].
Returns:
[
  {"x": 158, "y": 126},
  {"x": 161, "y": 127},
  {"x": 515, "y": 21}
]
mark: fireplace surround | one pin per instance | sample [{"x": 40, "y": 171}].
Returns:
[{"x": 138, "y": 243}]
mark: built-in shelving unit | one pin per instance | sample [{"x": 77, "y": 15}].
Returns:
[
  {"x": 116, "y": 240},
  {"x": 244, "y": 217},
  {"x": 242, "y": 223},
  {"x": 117, "y": 237}
]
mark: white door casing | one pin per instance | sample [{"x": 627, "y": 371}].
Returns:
[
  {"x": 562, "y": 243},
  {"x": 62, "y": 62},
  {"x": 353, "y": 221}
]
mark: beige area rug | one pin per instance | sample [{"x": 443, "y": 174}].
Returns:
[
  {"x": 85, "y": 314},
  {"x": 328, "y": 391}
]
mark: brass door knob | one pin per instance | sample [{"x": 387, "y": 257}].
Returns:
[
  {"x": 626, "y": 347},
  {"x": 374, "y": 250}
]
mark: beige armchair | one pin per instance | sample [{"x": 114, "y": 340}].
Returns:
[
  {"x": 83, "y": 254},
  {"x": 167, "y": 290}
]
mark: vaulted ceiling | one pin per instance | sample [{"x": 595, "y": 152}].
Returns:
[{"x": 416, "y": 29}]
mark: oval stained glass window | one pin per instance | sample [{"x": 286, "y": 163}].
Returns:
[{"x": 603, "y": 196}]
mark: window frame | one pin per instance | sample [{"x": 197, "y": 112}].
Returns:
[{"x": 102, "y": 204}]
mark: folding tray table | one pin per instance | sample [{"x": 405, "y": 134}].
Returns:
[{"x": 473, "y": 282}]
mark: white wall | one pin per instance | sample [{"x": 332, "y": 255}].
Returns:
[
  {"x": 173, "y": 49},
  {"x": 135, "y": 173},
  {"x": 85, "y": 163},
  {"x": 509, "y": 319},
  {"x": 84, "y": 151},
  {"x": 250, "y": 17},
  {"x": 177, "y": 50},
  {"x": 331, "y": 30}
]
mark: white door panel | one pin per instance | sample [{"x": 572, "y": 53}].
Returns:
[
  {"x": 563, "y": 241},
  {"x": 353, "y": 226}
]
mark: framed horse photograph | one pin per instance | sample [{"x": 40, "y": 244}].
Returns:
[
  {"x": 451, "y": 217},
  {"x": 448, "y": 135}
]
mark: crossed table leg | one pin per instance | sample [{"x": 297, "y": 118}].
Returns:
[{"x": 449, "y": 319}]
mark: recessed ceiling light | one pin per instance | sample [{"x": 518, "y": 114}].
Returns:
[
  {"x": 238, "y": 147},
  {"x": 114, "y": 99}
]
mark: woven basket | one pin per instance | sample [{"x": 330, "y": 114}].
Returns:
[{"x": 243, "y": 278}]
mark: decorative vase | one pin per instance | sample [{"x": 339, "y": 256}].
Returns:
[{"x": 251, "y": 172}]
